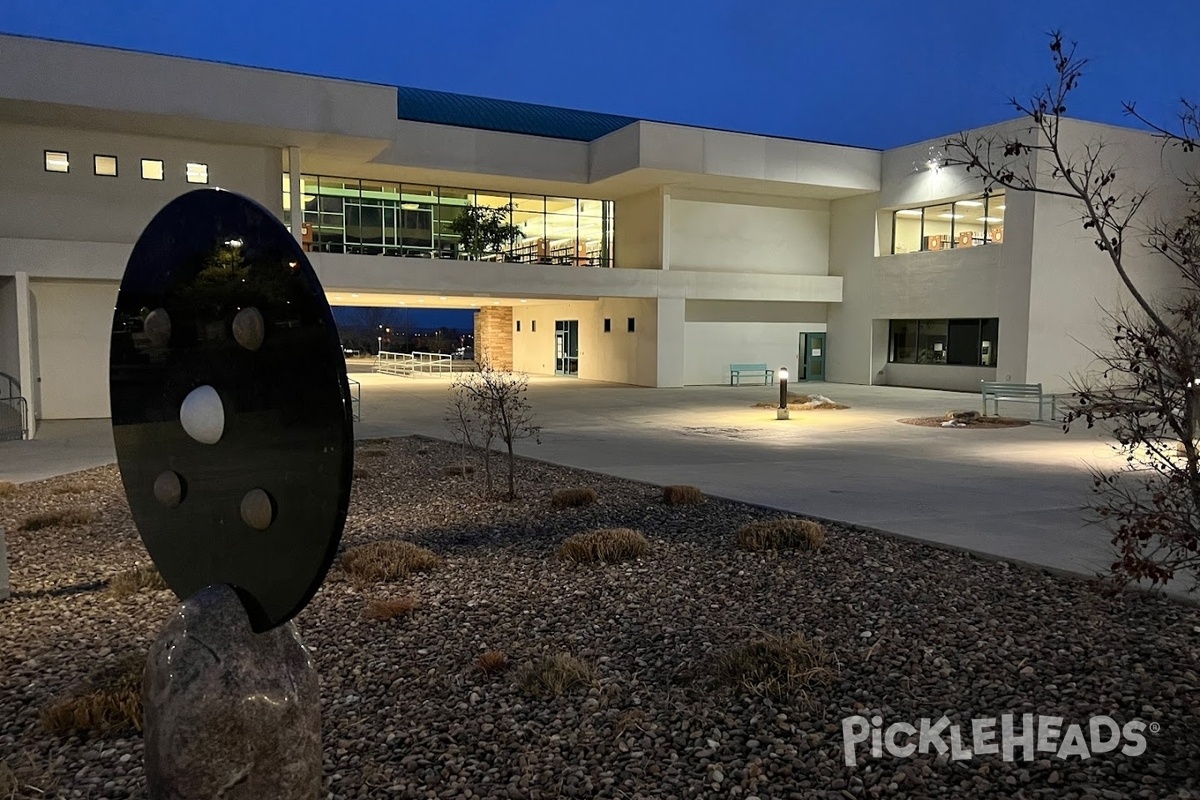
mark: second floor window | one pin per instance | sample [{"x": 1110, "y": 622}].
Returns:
[{"x": 972, "y": 222}]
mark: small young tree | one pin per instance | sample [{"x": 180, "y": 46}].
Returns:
[
  {"x": 1147, "y": 385},
  {"x": 492, "y": 404},
  {"x": 483, "y": 229}
]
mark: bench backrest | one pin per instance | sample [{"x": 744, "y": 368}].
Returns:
[
  {"x": 1017, "y": 389},
  {"x": 747, "y": 367}
]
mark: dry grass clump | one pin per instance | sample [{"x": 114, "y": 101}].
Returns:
[
  {"x": 782, "y": 534},
  {"x": 62, "y": 517},
  {"x": 372, "y": 453},
  {"x": 7, "y": 488},
  {"x": 682, "y": 495},
  {"x": 458, "y": 469},
  {"x": 145, "y": 576},
  {"x": 492, "y": 662},
  {"x": 110, "y": 700},
  {"x": 775, "y": 666},
  {"x": 610, "y": 545},
  {"x": 573, "y": 498},
  {"x": 387, "y": 560},
  {"x": 359, "y": 473},
  {"x": 30, "y": 779},
  {"x": 390, "y": 609},
  {"x": 553, "y": 675}
]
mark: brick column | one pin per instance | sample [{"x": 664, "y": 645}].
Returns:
[{"x": 494, "y": 336}]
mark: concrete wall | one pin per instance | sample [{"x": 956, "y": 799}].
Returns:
[
  {"x": 749, "y": 235},
  {"x": 72, "y": 322},
  {"x": 81, "y": 206},
  {"x": 938, "y": 376},
  {"x": 616, "y": 357},
  {"x": 710, "y": 347},
  {"x": 1067, "y": 307},
  {"x": 638, "y": 231}
]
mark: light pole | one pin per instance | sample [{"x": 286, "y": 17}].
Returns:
[{"x": 782, "y": 411}]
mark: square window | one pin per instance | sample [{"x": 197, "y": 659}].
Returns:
[
  {"x": 58, "y": 161},
  {"x": 607, "y": 325},
  {"x": 518, "y": 326},
  {"x": 152, "y": 169},
  {"x": 197, "y": 173},
  {"x": 630, "y": 325},
  {"x": 105, "y": 166}
]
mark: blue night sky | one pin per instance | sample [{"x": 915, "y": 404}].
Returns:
[
  {"x": 865, "y": 72},
  {"x": 876, "y": 73}
]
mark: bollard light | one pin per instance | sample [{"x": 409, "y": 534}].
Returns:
[
  {"x": 379, "y": 346},
  {"x": 782, "y": 411}
]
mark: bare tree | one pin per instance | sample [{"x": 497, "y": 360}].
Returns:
[
  {"x": 488, "y": 405},
  {"x": 1146, "y": 386}
]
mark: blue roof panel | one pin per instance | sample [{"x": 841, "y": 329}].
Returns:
[{"x": 466, "y": 111}]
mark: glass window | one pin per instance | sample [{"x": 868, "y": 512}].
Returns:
[
  {"x": 906, "y": 233},
  {"x": 105, "y": 166},
  {"x": 376, "y": 217},
  {"x": 956, "y": 342},
  {"x": 196, "y": 172},
  {"x": 903, "y": 348},
  {"x": 630, "y": 325},
  {"x": 57, "y": 161},
  {"x": 152, "y": 169},
  {"x": 963, "y": 223},
  {"x": 939, "y": 227},
  {"x": 607, "y": 325}
]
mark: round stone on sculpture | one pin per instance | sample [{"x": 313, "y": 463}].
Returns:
[
  {"x": 249, "y": 328},
  {"x": 203, "y": 415}
]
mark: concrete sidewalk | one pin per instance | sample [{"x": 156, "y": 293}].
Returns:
[{"x": 1014, "y": 493}]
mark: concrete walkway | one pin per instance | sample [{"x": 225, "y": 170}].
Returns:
[{"x": 1015, "y": 493}]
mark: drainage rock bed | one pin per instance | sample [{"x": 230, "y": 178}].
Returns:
[{"x": 904, "y": 631}]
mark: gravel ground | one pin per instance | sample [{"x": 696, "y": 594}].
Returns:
[{"x": 915, "y": 633}]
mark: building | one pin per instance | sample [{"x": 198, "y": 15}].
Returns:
[{"x": 651, "y": 253}]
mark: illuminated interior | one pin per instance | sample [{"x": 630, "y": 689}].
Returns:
[
  {"x": 963, "y": 223},
  {"x": 348, "y": 215}
]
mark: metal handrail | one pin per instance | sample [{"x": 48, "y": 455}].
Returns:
[
  {"x": 355, "y": 399},
  {"x": 20, "y": 430},
  {"x": 394, "y": 363},
  {"x": 432, "y": 362}
]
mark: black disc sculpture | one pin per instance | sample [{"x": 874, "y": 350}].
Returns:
[{"x": 232, "y": 423}]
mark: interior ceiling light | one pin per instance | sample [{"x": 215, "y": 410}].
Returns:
[
  {"x": 991, "y": 219},
  {"x": 950, "y": 216},
  {"x": 909, "y": 212},
  {"x": 968, "y": 203}
]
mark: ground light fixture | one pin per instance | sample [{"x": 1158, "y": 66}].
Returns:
[{"x": 782, "y": 411}]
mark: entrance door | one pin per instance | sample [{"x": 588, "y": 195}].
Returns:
[
  {"x": 566, "y": 347},
  {"x": 813, "y": 348}
]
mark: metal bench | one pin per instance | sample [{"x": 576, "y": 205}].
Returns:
[
  {"x": 1016, "y": 392},
  {"x": 737, "y": 370}
]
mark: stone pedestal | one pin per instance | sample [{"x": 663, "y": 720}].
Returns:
[
  {"x": 782, "y": 413},
  {"x": 230, "y": 713}
]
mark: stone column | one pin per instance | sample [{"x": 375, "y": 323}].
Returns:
[{"x": 494, "y": 336}]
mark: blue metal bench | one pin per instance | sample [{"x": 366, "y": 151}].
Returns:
[{"x": 736, "y": 371}]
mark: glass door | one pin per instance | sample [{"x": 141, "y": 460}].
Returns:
[
  {"x": 814, "y": 356},
  {"x": 566, "y": 347}
]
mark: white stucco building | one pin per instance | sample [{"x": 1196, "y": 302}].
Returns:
[{"x": 654, "y": 254}]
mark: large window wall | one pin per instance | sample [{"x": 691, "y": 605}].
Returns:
[
  {"x": 961, "y": 342},
  {"x": 348, "y": 215},
  {"x": 962, "y": 223}
]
